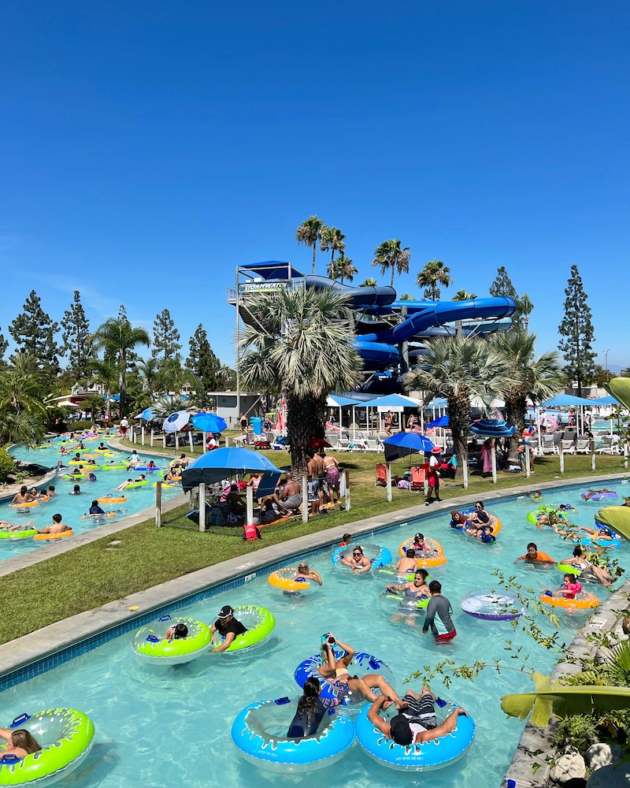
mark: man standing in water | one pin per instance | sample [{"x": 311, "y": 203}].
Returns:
[{"x": 438, "y": 616}]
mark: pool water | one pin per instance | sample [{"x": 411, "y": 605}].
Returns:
[
  {"x": 71, "y": 507},
  {"x": 157, "y": 725}
]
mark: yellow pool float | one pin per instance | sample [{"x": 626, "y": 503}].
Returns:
[
  {"x": 583, "y": 601},
  {"x": 286, "y": 580},
  {"x": 54, "y": 536}
]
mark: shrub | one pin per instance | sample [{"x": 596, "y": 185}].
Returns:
[{"x": 6, "y": 464}]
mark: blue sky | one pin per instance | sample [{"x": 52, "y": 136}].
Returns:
[{"x": 149, "y": 147}]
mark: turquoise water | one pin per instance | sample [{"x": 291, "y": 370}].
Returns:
[
  {"x": 158, "y": 726},
  {"x": 71, "y": 507}
]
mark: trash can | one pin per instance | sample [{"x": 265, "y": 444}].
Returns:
[{"x": 256, "y": 423}]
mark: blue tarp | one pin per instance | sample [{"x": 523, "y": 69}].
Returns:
[
  {"x": 404, "y": 443},
  {"x": 566, "y": 401}
]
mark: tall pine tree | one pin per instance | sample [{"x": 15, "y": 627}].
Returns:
[
  {"x": 4, "y": 344},
  {"x": 34, "y": 333},
  {"x": 577, "y": 330},
  {"x": 202, "y": 361},
  {"x": 502, "y": 286},
  {"x": 132, "y": 356},
  {"x": 77, "y": 345},
  {"x": 165, "y": 337}
]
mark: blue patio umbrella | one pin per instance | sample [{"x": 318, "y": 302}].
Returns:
[
  {"x": 492, "y": 428},
  {"x": 147, "y": 414},
  {"x": 405, "y": 443},
  {"x": 208, "y": 422},
  {"x": 441, "y": 422},
  {"x": 215, "y": 465}
]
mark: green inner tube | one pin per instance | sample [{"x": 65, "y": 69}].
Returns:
[
  {"x": 567, "y": 569},
  {"x": 6, "y": 534},
  {"x": 259, "y": 622},
  {"x": 71, "y": 476},
  {"x": 114, "y": 468},
  {"x": 532, "y": 517},
  {"x": 133, "y": 485},
  {"x": 66, "y": 737},
  {"x": 181, "y": 650},
  {"x": 396, "y": 600}
]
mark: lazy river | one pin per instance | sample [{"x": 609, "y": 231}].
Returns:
[
  {"x": 159, "y": 725},
  {"x": 72, "y": 507}
]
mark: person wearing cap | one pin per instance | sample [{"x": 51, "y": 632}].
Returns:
[
  {"x": 404, "y": 729},
  {"x": 228, "y": 628},
  {"x": 433, "y": 476},
  {"x": 336, "y": 672}
]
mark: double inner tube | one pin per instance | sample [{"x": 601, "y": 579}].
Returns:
[{"x": 151, "y": 645}]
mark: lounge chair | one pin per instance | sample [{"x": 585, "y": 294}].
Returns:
[
  {"x": 548, "y": 445},
  {"x": 371, "y": 444},
  {"x": 567, "y": 446},
  {"x": 418, "y": 478},
  {"x": 381, "y": 475},
  {"x": 583, "y": 446}
]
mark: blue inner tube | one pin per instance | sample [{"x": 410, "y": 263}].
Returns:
[
  {"x": 362, "y": 665},
  {"x": 601, "y": 542},
  {"x": 259, "y": 734},
  {"x": 416, "y": 757},
  {"x": 379, "y": 556}
]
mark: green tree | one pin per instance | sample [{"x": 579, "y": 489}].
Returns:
[
  {"x": 165, "y": 337},
  {"x": 171, "y": 376},
  {"x": 369, "y": 283},
  {"x": 460, "y": 368},
  {"x": 148, "y": 371},
  {"x": 77, "y": 344},
  {"x": 165, "y": 406},
  {"x": 201, "y": 360},
  {"x": 4, "y": 344},
  {"x": 117, "y": 338},
  {"x": 602, "y": 376},
  {"x": 310, "y": 233},
  {"x": 524, "y": 308},
  {"x": 538, "y": 379},
  {"x": 389, "y": 256},
  {"x": 105, "y": 372},
  {"x": 301, "y": 346},
  {"x": 577, "y": 333},
  {"x": 342, "y": 268},
  {"x": 34, "y": 333},
  {"x": 406, "y": 297},
  {"x": 227, "y": 378},
  {"x": 332, "y": 239},
  {"x": 22, "y": 410},
  {"x": 464, "y": 295},
  {"x": 502, "y": 285},
  {"x": 433, "y": 275}
]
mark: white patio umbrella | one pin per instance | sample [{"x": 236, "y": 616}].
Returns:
[{"x": 176, "y": 421}]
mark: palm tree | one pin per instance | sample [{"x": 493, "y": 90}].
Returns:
[
  {"x": 21, "y": 427},
  {"x": 535, "y": 378},
  {"x": 309, "y": 233},
  {"x": 21, "y": 389},
  {"x": 148, "y": 371},
  {"x": 171, "y": 376},
  {"x": 464, "y": 295},
  {"x": 460, "y": 368},
  {"x": 342, "y": 268},
  {"x": 390, "y": 257},
  {"x": 524, "y": 308},
  {"x": 368, "y": 283},
  {"x": 118, "y": 338},
  {"x": 332, "y": 238},
  {"x": 301, "y": 347},
  {"x": 168, "y": 404},
  {"x": 105, "y": 371},
  {"x": 406, "y": 297},
  {"x": 434, "y": 274},
  {"x": 93, "y": 403}
]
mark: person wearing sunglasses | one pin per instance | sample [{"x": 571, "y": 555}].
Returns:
[{"x": 358, "y": 562}]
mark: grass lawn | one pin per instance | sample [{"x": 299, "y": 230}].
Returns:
[{"x": 95, "y": 574}]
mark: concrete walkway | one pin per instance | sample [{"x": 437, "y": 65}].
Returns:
[{"x": 56, "y": 637}]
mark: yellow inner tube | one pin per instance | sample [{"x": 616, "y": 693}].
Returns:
[
  {"x": 24, "y": 505},
  {"x": 433, "y": 544},
  {"x": 54, "y": 536},
  {"x": 285, "y": 579},
  {"x": 106, "y": 499},
  {"x": 583, "y": 601}
]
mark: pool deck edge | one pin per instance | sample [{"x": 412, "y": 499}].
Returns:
[{"x": 29, "y": 649}]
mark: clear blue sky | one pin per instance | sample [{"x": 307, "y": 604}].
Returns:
[{"x": 149, "y": 147}]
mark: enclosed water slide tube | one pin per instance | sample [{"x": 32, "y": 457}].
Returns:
[{"x": 358, "y": 296}]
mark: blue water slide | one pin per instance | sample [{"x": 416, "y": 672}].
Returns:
[{"x": 358, "y": 296}]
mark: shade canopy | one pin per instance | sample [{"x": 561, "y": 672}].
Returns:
[
  {"x": 566, "y": 401},
  {"x": 215, "y": 465},
  {"x": 441, "y": 422},
  {"x": 437, "y": 402},
  {"x": 392, "y": 401},
  {"x": 405, "y": 443},
  {"x": 609, "y": 400},
  {"x": 208, "y": 422},
  {"x": 176, "y": 421},
  {"x": 340, "y": 401},
  {"x": 147, "y": 414},
  {"x": 492, "y": 428}
]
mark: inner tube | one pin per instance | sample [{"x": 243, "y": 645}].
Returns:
[
  {"x": 114, "y": 468},
  {"x": 492, "y": 606},
  {"x": 569, "y": 569},
  {"x": 598, "y": 495},
  {"x": 416, "y": 757},
  {"x": 583, "y": 601},
  {"x": 70, "y": 476},
  {"x": 144, "y": 468},
  {"x": 362, "y": 663},
  {"x": 66, "y": 737},
  {"x": 10, "y": 535},
  {"x": 111, "y": 499},
  {"x": 532, "y": 517},
  {"x": 289, "y": 580},
  {"x": 255, "y": 733},
  {"x": 24, "y": 505},
  {"x": 260, "y": 623},
  {"x": 597, "y": 542},
  {"x": 494, "y": 520},
  {"x": 378, "y": 556},
  {"x": 151, "y": 645},
  {"x": 49, "y": 537},
  {"x": 98, "y": 516},
  {"x": 433, "y": 544},
  {"x": 134, "y": 485},
  {"x": 389, "y": 575},
  {"x": 398, "y": 601}
]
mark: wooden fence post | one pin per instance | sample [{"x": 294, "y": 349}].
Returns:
[
  {"x": 202, "y": 506},
  {"x": 389, "y": 482},
  {"x": 158, "y": 504},
  {"x": 347, "y": 490},
  {"x": 561, "y": 459},
  {"x": 304, "y": 499}
]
